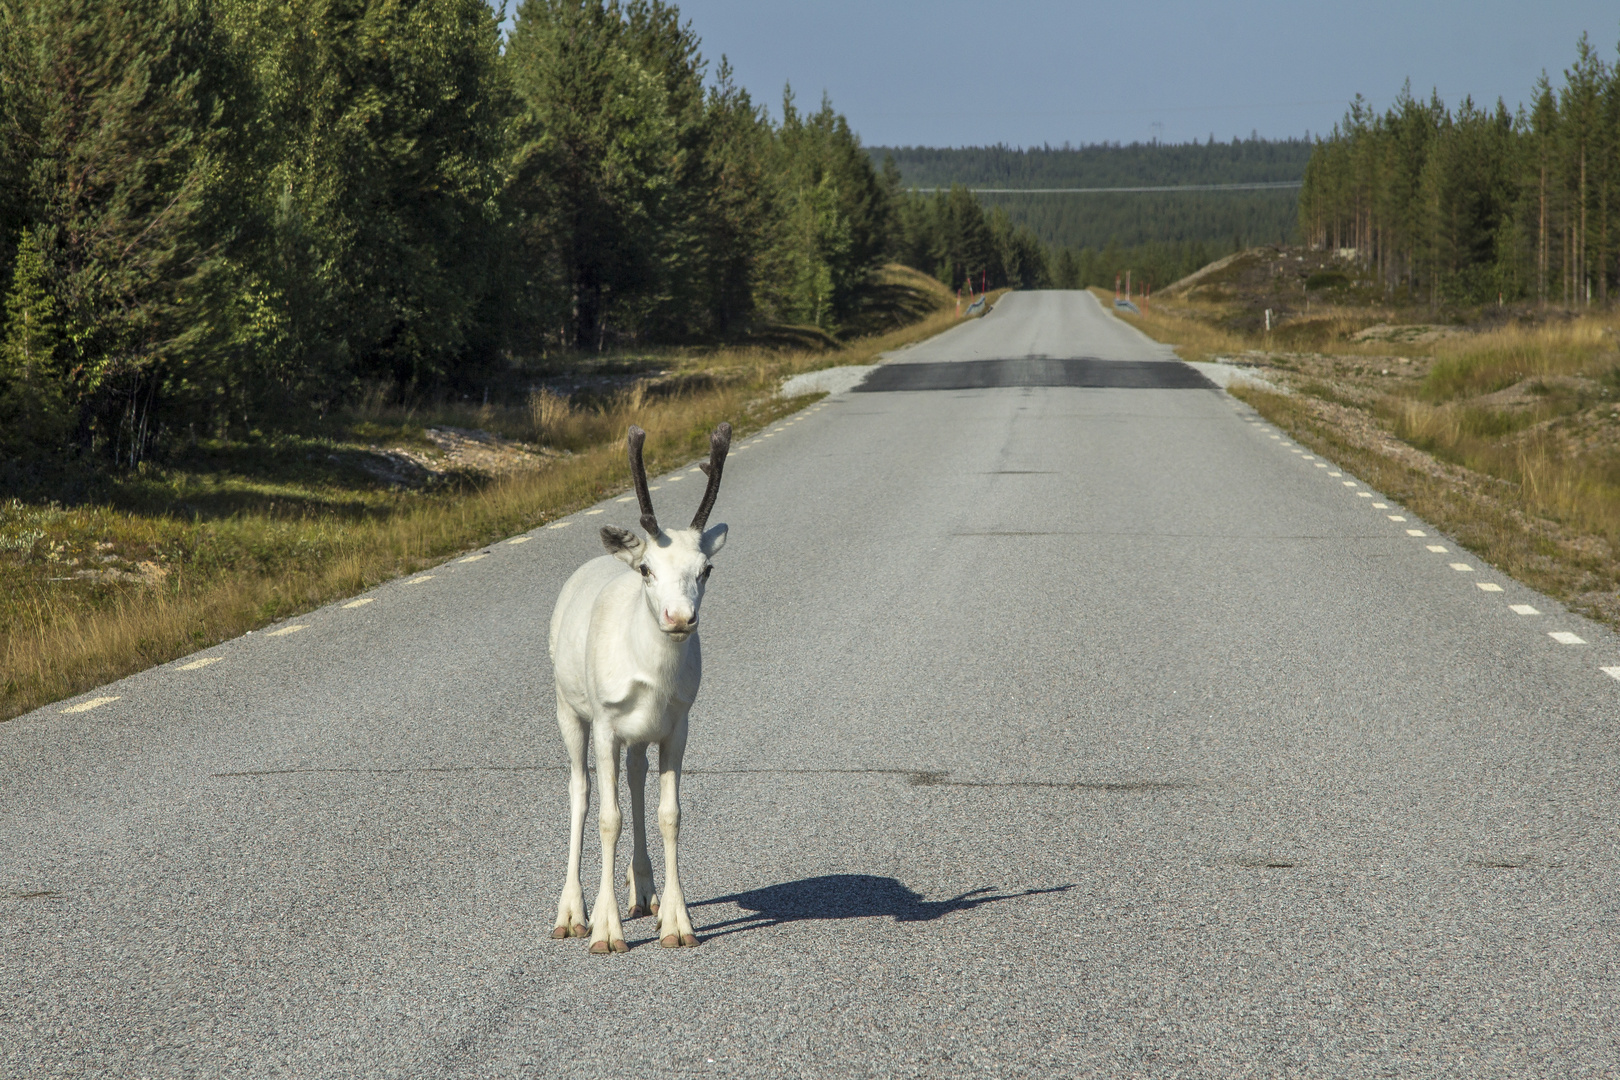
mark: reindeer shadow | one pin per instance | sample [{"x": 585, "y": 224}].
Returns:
[{"x": 846, "y": 896}]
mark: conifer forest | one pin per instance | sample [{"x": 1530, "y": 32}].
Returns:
[{"x": 1479, "y": 204}]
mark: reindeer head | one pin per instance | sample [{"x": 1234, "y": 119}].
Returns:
[{"x": 674, "y": 566}]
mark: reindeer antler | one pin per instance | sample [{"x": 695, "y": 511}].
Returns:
[
  {"x": 638, "y": 473},
  {"x": 719, "y": 446}
]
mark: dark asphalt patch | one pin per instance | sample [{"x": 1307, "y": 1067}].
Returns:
[{"x": 1037, "y": 371}]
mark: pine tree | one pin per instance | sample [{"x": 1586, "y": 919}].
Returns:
[{"x": 34, "y": 411}]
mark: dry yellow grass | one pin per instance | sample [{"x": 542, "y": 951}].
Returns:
[
  {"x": 1484, "y": 362},
  {"x": 1186, "y": 325},
  {"x": 63, "y": 650}
]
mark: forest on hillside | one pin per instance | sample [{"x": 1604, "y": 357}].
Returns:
[
  {"x": 1214, "y": 219},
  {"x": 1479, "y": 204},
  {"x": 1089, "y": 238}
]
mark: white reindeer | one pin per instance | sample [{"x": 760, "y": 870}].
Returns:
[{"x": 624, "y": 646}]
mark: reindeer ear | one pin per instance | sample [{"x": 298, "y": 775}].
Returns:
[
  {"x": 623, "y": 544},
  {"x": 713, "y": 540}
]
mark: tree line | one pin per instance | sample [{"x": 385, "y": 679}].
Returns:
[
  {"x": 218, "y": 214},
  {"x": 1478, "y": 204},
  {"x": 1089, "y": 223}
]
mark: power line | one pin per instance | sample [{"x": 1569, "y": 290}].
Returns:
[{"x": 1267, "y": 185}]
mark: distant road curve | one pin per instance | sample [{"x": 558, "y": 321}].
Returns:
[{"x": 1268, "y": 185}]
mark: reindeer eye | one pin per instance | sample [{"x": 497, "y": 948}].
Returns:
[
  {"x": 705, "y": 575},
  {"x": 646, "y": 573}
]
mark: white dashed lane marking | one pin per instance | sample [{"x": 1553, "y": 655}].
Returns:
[
  {"x": 366, "y": 600},
  {"x": 565, "y": 524},
  {"x": 285, "y": 630},
  {"x": 588, "y": 513},
  {"x": 1563, "y": 637},
  {"x": 93, "y": 703},
  {"x": 195, "y": 664},
  {"x": 520, "y": 540},
  {"x": 424, "y": 577},
  {"x": 474, "y": 558},
  {"x": 627, "y": 498}
]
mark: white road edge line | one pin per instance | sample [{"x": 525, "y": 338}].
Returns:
[
  {"x": 1523, "y": 609},
  {"x": 1488, "y": 586},
  {"x": 1614, "y": 672},
  {"x": 93, "y": 703},
  {"x": 1564, "y": 637}
]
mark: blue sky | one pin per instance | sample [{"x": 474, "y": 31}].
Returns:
[{"x": 1024, "y": 72}]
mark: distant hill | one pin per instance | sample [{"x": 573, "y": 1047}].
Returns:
[{"x": 1221, "y": 219}]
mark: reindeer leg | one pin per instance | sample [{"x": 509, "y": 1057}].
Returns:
[
  {"x": 571, "y": 908},
  {"x": 674, "y": 925},
  {"x": 607, "y": 932},
  {"x": 638, "y": 878}
]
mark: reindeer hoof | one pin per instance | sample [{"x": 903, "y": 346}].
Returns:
[
  {"x": 600, "y": 948},
  {"x": 652, "y": 905},
  {"x": 580, "y": 931},
  {"x": 688, "y": 941},
  {"x": 620, "y": 946},
  {"x": 670, "y": 941},
  {"x": 559, "y": 933},
  {"x": 637, "y": 912}
]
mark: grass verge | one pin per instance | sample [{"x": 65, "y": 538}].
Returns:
[{"x": 159, "y": 563}]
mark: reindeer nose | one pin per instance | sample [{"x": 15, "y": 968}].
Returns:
[{"x": 680, "y": 622}]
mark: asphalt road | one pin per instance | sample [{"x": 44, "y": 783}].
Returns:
[{"x": 1045, "y": 731}]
